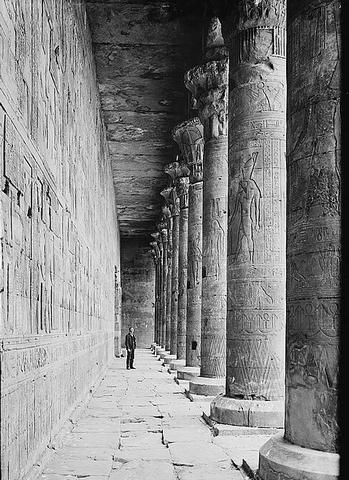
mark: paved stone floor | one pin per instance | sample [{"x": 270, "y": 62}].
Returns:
[{"x": 140, "y": 425}]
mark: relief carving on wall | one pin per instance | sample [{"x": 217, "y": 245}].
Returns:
[{"x": 244, "y": 219}]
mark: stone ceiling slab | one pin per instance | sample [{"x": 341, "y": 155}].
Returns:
[{"x": 142, "y": 50}]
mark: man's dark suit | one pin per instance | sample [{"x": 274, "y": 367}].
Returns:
[{"x": 130, "y": 344}]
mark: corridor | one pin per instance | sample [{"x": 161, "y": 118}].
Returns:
[{"x": 139, "y": 425}]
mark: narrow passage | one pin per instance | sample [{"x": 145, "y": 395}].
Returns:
[{"x": 139, "y": 425}]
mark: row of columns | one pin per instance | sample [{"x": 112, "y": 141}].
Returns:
[{"x": 265, "y": 345}]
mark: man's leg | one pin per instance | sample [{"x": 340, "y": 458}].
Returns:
[
  {"x": 128, "y": 358},
  {"x": 132, "y": 357}
]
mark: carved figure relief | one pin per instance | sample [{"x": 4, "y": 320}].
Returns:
[
  {"x": 245, "y": 217},
  {"x": 195, "y": 261}
]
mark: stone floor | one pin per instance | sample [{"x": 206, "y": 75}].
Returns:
[{"x": 140, "y": 425}]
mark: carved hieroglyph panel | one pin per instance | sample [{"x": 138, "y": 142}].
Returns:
[{"x": 313, "y": 216}]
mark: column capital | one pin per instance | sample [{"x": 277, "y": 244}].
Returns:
[
  {"x": 156, "y": 249},
  {"x": 164, "y": 235},
  {"x": 182, "y": 188},
  {"x": 154, "y": 255},
  {"x": 189, "y": 136},
  {"x": 215, "y": 48},
  {"x": 208, "y": 84},
  {"x": 255, "y": 31}
]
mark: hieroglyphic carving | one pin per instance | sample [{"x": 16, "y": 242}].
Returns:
[
  {"x": 208, "y": 84},
  {"x": 257, "y": 199},
  {"x": 245, "y": 216},
  {"x": 313, "y": 224},
  {"x": 53, "y": 291}
]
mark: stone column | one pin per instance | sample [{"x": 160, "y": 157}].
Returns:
[
  {"x": 167, "y": 213},
  {"x": 168, "y": 218},
  {"x": 158, "y": 240},
  {"x": 182, "y": 191},
  {"x": 156, "y": 256},
  {"x": 189, "y": 137},
  {"x": 175, "y": 209},
  {"x": 308, "y": 449},
  {"x": 209, "y": 86},
  {"x": 257, "y": 219},
  {"x": 155, "y": 259},
  {"x": 164, "y": 239}
]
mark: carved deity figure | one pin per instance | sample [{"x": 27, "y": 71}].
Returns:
[
  {"x": 247, "y": 208},
  {"x": 194, "y": 262}
]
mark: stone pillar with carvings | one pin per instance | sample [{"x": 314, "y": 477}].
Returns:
[
  {"x": 209, "y": 86},
  {"x": 256, "y": 264},
  {"x": 189, "y": 137},
  {"x": 164, "y": 239},
  {"x": 156, "y": 256},
  {"x": 166, "y": 212},
  {"x": 308, "y": 448},
  {"x": 158, "y": 240},
  {"x": 170, "y": 169},
  {"x": 182, "y": 188}
]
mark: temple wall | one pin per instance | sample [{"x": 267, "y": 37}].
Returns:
[
  {"x": 58, "y": 225},
  {"x": 138, "y": 291}
]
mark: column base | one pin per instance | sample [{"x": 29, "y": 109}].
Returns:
[
  {"x": 159, "y": 350},
  {"x": 169, "y": 358},
  {"x": 177, "y": 363},
  {"x": 248, "y": 413},
  {"x": 207, "y": 386},
  {"x": 164, "y": 354},
  {"x": 187, "y": 373},
  {"x": 279, "y": 458}
]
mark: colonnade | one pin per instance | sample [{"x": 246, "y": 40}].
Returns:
[{"x": 247, "y": 272}]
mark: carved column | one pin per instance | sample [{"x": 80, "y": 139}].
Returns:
[
  {"x": 164, "y": 240},
  {"x": 182, "y": 187},
  {"x": 167, "y": 213},
  {"x": 156, "y": 256},
  {"x": 257, "y": 212},
  {"x": 209, "y": 86},
  {"x": 158, "y": 240},
  {"x": 308, "y": 449},
  {"x": 189, "y": 137}
]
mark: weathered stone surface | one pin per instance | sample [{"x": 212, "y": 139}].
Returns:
[
  {"x": 257, "y": 191},
  {"x": 197, "y": 453},
  {"x": 221, "y": 471},
  {"x": 281, "y": 459},
  {"x": 248, "y": 413},
  {"x": 60, "y": 265},
  {"x": 141, "y": 56},
  {"x": 145, "y": 470},
  {"x": 210, "y": 386},
  {"x": 209, "y": 86},
  {"x": 138, "y": 294},
  {"x": 314, "y": 224}
]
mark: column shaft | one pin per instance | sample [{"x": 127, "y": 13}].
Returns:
[
  {"x": 182, "y": 282},
  {"x": 257, "y": 206},
  {"x": 193, "y": 337},
  {"x": 313, "y": 221},
  {"x": 164, "y": 296},
  {"x": 313, "y": 158},
  {"x": 169, "y": 287},
  {"x": 174, "y": 284},
  {"x": 213, "y": 319}
]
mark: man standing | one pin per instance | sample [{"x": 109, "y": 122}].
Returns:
[{"x": 130, "y": 344}]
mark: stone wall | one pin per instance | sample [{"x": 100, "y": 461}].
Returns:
[
  {"x": 58, "y": 226},
  {"x": 138, "y": 291}
]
